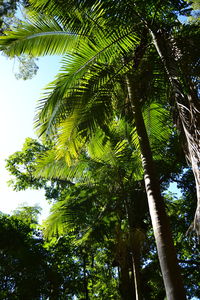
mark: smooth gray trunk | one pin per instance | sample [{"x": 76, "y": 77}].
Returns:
[{"x": 166, "y": 251}]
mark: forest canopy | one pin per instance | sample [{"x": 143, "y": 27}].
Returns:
[{"x": 117, "y": 126}]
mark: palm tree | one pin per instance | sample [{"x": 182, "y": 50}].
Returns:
[
  {"x": 92, "y": 64},
  {"x": 79, "y": 16},
  {"x": 95, "y": 143},
  {"x": 161, "y": 22},
  {"x": 105, "y": 174}
]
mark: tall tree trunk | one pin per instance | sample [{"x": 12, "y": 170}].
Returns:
[
  {"x": 126, "y": 290},
  {"x": 136, "y": 236},
  {"x": 126, "y": 284},
  {"x": 188, "y": 107},
  {"x": 166, "y": 251},
  {"x": 136, "y": 240},
  {"x": 136, "y": 274}
]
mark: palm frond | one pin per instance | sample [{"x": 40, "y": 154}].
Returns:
[
  {"x": 82, "y": 213},
  {"x": 51, "y": 167},
  {"x": 86, "y": 87},
  {"x": 100, "y": 148},
  {"x": 158, "y": 123},
  {"x": 72, "y": 213},
  {"x": 82, "y": 77},
  {"x": 39, "y": 37}
]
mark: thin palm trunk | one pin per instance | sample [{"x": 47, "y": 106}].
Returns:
[
  {"x": 134, "y": 242},
  {"x": 188, "y": 108},
  {"x": 136, "y": 274},
  {"x": 166, "y": 251},
  {"x": 85, "y": 279}
]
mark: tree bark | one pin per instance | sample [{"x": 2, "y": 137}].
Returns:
[
  {"x": 136, "y": 273},
  {"x": 188, "y": 108},
  {"x": 126, "y": 290},
  {"x": 126, "y": 284},
  {"x": 136, "y": 240},
  {"x": 166, "y": 251}
]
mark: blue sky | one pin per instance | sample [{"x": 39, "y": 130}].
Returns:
[{"x": 17, "y": 108}]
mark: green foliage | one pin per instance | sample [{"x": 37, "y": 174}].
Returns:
[
  {"x": 22, "y": 260},
  {"x": 93, "y": 170},
  {"x": 87, "y": 213},
  {"x": 28, "y": 214},
  {"x": 22, "y": 165},
  {"x": 180, "y": 211},
  {"x": 104, "y": 188},
  {"x": 31, "y": 268}
]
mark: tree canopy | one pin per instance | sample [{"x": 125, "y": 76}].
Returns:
[{"x": 112, "y": 124}]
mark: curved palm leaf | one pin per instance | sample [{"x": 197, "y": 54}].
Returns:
[
  {"x": 84, "y": 78},
  {"x": 42, "y": 36}
]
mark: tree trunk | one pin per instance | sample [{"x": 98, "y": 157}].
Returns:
[
  {"x": 166, "y": 251},
  {"x": 136, "y": 273},
  {"x": 188, "y": 107},
  {"x": 126, "y": 284},
  {"x": 85, "y": 279},
  {"x": 136, "y": 240},
  {"x": 125, "y": 287}
]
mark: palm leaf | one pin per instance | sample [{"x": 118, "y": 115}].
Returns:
[
  {"x": 39, "y": 37},
  {"x": 158, "y": 123},
  {"x": 50, "y": 167},
  {"x": 78, "y": 74}
]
